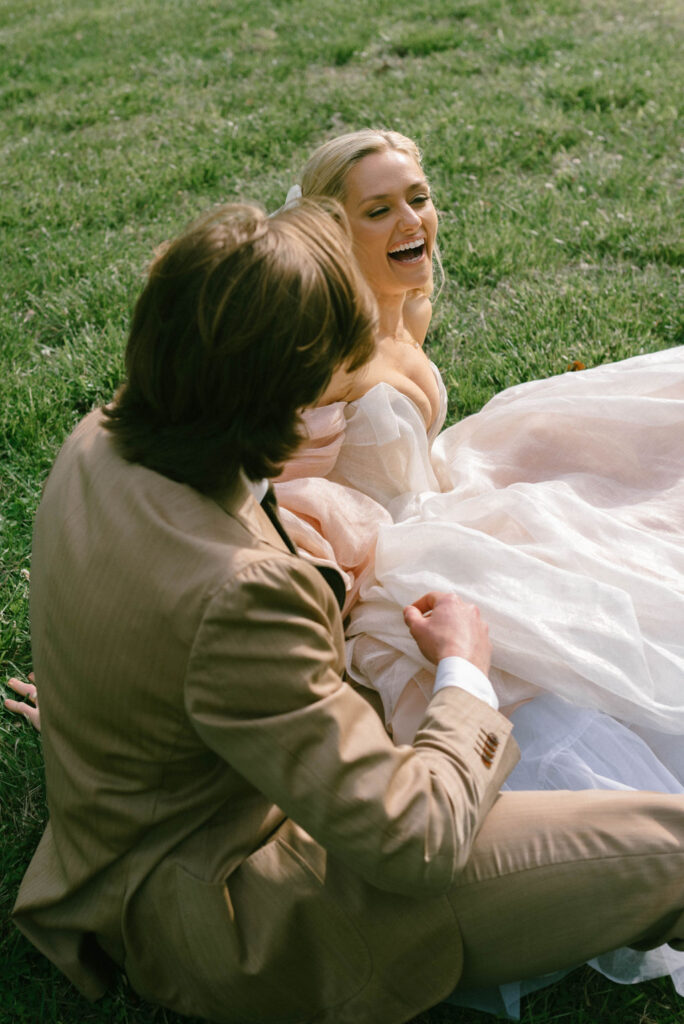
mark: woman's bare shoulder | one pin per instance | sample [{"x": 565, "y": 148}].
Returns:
[{"x": 343, "y": 387}]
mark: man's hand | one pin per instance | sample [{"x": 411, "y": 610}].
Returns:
[{"x": 443, "y": 626}]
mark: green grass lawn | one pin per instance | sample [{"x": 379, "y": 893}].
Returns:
[{"x": 553, "y": 140}]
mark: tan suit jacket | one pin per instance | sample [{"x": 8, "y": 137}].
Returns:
[{"x": 229, "y": 820}]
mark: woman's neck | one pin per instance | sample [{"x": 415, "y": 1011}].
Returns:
[{"x": 391, "y": 316}]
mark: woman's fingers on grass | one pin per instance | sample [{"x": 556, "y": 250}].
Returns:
[
  {"x": 27, "y": 710},
  {"x": 23, "y": 689},
  {"x": 19, "y": 707}
]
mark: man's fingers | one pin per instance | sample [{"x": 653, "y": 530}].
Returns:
[
  {"x": 411, "y": 616},
  {"x": 427, "y": 602}
]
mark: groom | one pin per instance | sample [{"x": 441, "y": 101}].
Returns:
[{"x": 229, "y": 821}]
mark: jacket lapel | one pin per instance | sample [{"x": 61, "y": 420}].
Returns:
[
  {"x": 239, "y": 502},
  {"x": 263, "y": 522}
]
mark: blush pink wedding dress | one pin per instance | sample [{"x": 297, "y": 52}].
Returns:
[{"x": 559, "y": 510}]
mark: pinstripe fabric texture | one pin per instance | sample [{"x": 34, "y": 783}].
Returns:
[{"x": 229, "y": 821}]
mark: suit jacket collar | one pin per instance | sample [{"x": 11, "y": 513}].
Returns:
[{"x": 239, "y": 501}]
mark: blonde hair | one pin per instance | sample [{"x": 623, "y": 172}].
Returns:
[{"x": 325, "y": 172}]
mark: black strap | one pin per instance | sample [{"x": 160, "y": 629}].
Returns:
[
  {"x": 335, "y": 582},
  {"x": 329, "y": 574},
  {"x": 270, "y": 507}
]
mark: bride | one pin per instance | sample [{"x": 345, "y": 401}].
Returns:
[{"x": 558, "y": 509}]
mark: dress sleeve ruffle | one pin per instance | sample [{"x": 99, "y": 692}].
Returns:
[
  {"x": 324, "y": 432},
  {"x": 330, "y": 523}
]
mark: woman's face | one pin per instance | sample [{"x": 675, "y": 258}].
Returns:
[{"x": 393, "y": 222}]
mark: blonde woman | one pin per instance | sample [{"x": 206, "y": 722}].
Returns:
[
  {"x": 558, "y": 510},
  {"x": 598, "y": 456}
]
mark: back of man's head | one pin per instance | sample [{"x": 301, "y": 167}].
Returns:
[{"x": 242, "y": 322}]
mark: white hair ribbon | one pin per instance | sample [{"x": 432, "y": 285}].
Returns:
[{"x": 294, "y": 194}]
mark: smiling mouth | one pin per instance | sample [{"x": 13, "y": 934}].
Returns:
[{"x": 409, "y": 252}]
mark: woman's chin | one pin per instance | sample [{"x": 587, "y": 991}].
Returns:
[{"x": 413, "y": 275}]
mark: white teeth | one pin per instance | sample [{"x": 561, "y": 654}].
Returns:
[{"x": 408, "y": 245}]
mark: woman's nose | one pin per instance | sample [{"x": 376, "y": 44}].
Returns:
[{"x": 408, "y": 217}]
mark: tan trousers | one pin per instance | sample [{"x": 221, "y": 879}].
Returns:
[{"x": 556, "y": 878}]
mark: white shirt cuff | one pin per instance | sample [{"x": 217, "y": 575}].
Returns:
[{"x": 459, "y": 672}]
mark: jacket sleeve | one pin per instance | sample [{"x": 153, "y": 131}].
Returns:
[{"x": 263, "y": 691}]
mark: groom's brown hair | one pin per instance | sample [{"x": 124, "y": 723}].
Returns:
[{"x": 242, "y": 322}]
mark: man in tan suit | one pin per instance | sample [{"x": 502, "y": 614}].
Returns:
[{"x": 229, "y": 821}]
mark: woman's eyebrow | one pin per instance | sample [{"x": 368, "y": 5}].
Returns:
[
  {"x": 422, "y": 183},
  {"x": 374, "y": 199}
]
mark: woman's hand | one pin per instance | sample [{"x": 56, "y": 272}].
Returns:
[
  {"x": 443, "y": 626},
  {"x": 29, "y": 690}
]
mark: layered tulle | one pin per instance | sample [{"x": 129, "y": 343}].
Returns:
[{"x": 561, "y": 515}]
